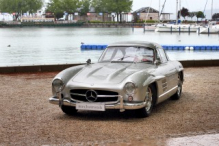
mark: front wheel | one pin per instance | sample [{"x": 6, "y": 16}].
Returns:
[
  {"x": 178, "y": 93},
  {"x": 68, "y": 110},
  {"x": 150, "y": 102}
]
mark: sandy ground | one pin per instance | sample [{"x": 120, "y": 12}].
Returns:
[{"x": 27, "y": 118}]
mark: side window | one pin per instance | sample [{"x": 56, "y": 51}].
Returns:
[
  {"x": 158, "y": 54},
  {"x": 163, "y": 57},
  {"x": 108, "y": 54}
]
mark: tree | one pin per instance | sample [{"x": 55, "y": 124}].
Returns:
[
  {"x": 61, "y": 6},
  {"x": 55, "y": 7},
  {"x": 85, "y": 7},
  {"x": 200, "y": 14},
  {"x": 192, "y": 14},
  {"x": 112, "y": 6},
  {"x": 215, "y": 16},
  {"x": 70, "y": 6},
  {"x": 20, "y": 6},
  {"x": 118, "y": 6},
  {"x": 99, "y": 6},
  {"x": 184, "y": 12}
]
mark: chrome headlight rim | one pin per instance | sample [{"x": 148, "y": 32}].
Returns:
[
  {"x": 130, "y": 88},
  {"x": 58, "y": 84}
]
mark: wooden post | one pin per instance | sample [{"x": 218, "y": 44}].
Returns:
[
  {"x": 199, "y": 31},
  {"x": 179, "y": 29},
  {"x": 208, "y": 30},
  {"x": 189, "y": 29}
]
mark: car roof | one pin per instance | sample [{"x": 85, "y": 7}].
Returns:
[{"x": 135, "y": 44}]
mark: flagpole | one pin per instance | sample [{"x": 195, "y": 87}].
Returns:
[
  {"x": 180, "y": 9},
  {"x": 159, "y": 12},
  {"x": 211, "y": 9},
  {"x": 176, "y": 12}
]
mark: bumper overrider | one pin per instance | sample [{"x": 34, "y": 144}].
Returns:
[{"x": 121, "y": 105}]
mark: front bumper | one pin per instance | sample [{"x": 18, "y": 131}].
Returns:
[{"x": 121, "y": 105}]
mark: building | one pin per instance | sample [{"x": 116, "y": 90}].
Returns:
[{"x": 148, "y": 13}]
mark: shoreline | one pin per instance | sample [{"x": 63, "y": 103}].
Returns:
[
  {"x": 75, "y": 24},
  {"x": 60, "y": 67}
]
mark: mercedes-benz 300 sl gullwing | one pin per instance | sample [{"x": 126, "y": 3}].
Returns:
[{"x": 128, "y": 76}]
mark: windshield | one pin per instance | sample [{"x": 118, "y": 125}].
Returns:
[{"x": 127, "y": 54}]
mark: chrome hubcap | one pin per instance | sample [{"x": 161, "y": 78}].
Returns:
[
  {"x": 179, "y": 87},
  {"x": 148, "y": 100},
  {"x": 179, "y": 90}
]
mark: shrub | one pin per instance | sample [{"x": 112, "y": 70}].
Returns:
[
  {"x": 95, "y": 21},
  {"x": 150, "y": 21}
]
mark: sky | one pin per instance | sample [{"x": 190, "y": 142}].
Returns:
[{"x": 170, "y": 6}]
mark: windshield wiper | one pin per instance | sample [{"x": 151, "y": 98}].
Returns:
[{"x": 123, "y": 58}]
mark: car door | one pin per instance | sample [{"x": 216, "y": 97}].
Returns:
[{"x": 168, "y": 70}]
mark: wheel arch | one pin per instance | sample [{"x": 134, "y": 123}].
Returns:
[
  {"x": 181, "y": 75},
  {"x": 155, "y": 85}
]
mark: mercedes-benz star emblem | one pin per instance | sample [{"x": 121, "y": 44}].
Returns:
[{"x": 91, "y": 95}]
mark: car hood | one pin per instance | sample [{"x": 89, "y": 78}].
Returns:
[{"x": 110, "y": 73}]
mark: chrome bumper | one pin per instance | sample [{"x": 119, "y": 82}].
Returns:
[{"x": 120, "y": 105}]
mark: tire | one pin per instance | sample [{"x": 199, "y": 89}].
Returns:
[
  {"x": 178, "y": 93},
  {"x": 69, "y": 110},
  {"x": 150, "y": 102}
]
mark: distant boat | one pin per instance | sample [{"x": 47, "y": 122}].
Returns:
[
  {"x": 150, "y": 27},
  {"x": 211, "y": 29},
  {"x": 177, "y": 28},
  {"x": 154, "y": 26}
]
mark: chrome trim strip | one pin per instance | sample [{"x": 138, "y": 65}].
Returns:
[
  {"x": 120, "y": 105},
  {"x": 168, "y": 91},
  {"x": 60, "y": 98},
  {"x": 110, "y": 102},
  {"x": 77, "y": 94},
  {"x": 97, "y": 95},
  {"x": 107, "y": 95}
]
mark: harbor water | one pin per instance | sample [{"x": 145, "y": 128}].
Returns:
[{"x": 45, "y": 46}]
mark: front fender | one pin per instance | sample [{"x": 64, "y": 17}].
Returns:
[
  {"x": 67, "y": 74},
  {"x": 152, "y": 79}
]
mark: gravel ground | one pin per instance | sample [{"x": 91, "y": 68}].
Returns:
[{"x": 27, "y": 118}]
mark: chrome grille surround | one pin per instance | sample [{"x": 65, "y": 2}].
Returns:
[{"x": 103, "y": 96}]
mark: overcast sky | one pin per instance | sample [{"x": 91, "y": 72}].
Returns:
[{"x": 170, "y": 6}]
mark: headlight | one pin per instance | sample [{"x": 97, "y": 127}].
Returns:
[
  {"x": 58, "y": 85},
  {"x": 130, "y": 88}
]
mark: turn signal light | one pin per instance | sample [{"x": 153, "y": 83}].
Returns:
[{"x": 130, "y": 98}]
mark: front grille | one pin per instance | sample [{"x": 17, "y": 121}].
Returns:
[{"x": 102, "y": 95}]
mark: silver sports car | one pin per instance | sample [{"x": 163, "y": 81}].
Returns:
[{"x": 128, "y": 76}]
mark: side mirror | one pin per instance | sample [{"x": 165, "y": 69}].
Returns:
[
  {"x": 88, "y": 61},
  {"x": 157, "y": 61}
]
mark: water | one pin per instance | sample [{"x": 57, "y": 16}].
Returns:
[{"x": 39, "y": 46}]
